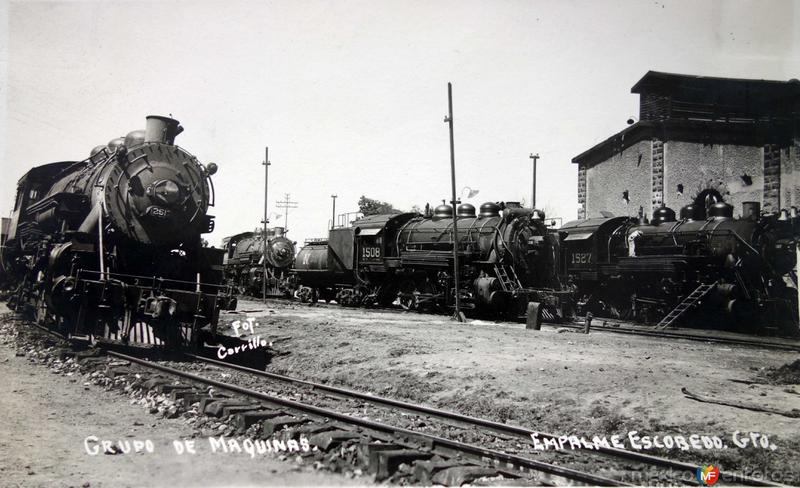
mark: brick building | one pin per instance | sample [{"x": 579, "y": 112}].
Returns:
[{"x": 739, "y": 137}]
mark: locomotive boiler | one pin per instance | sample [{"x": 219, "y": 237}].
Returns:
[
  {"x": 504, "y": 253},
  {"x": 110, "y": 246},
  {"x": 244, "y": 262},
  {"x": 706, "y": 265}
]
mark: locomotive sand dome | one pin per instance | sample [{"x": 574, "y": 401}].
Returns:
[{"x": 111, "y": 246}]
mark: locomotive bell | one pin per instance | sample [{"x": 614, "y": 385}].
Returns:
[
  {"x": 538, "y": 214},
  {"x": 490, "y": 209},
  {"x": 466, "y": 210},
  {"x": 443, "y": 211}
]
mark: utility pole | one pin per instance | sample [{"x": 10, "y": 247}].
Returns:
[
  {"x": 535, "y": 157},
  {"x": 454, "y": 202},
  {"x": 333, "y": 212},
  {"x": 266, "y": 221},
  {"x": 286, "y": 204}
]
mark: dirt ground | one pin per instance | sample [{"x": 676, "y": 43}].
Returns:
[
  {"x": 553, "y": 380},
  {"x": 46, "y": 418}
]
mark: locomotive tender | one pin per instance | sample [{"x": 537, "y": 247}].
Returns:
[
  {"x": 110, "y": 246},
  {"x": 244, "y": 262},
  {"x": 726, "y": 271},
  {"x": 504, "y": 254}
]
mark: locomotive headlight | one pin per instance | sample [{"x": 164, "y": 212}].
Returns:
[
  {"x": 165, "y": 192},
  {"x": 212, "y": 168}
]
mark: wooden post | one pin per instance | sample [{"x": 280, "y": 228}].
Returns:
[
  {"x": 449, "y": 119},
  {"x": 266, "y": 221},
  {"x": 534, "y": 316}
]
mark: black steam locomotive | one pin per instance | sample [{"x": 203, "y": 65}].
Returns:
[
  {"x": 110, "y": 247},
  {"x": 504, "y": 254},
  {"x": 244, "y": 262},
  {"x": 724, "y": 271}
]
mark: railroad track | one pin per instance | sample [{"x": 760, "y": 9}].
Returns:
[
  {"x": 757, "y": 343},
  {"x": 435, "y": 458},
  {"x": 454, "y": 460},
  {"x": 512, "y": 431},
  {"x": 623, "y": 327}
]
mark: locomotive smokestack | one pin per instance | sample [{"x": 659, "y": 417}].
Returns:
[{"x": 161, "y": 129}]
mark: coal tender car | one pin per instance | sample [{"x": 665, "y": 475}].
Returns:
[
  {"x": 506, "y": 254},
  {"x": 110, "y": 247},
  {"x": 244, "y": 262},
  {"x": 719, "y": 270}
]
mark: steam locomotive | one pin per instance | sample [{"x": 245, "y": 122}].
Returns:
[
  {"x": 110, "y": 247},
  {"x": 244, "y": 262},
  {"x": 505, "y": 253},
  {"x": 725, "y": 271}
]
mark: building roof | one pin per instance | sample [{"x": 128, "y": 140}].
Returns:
[
  {"x": 706, "y": 109},
  {"x": 701, "y": 131},
  {"x": 658, "y": 81}
]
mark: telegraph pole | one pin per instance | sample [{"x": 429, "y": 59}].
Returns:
[
  {"x": 266, "y": 221},
  {"x": 333, "y": 212},
  {"x": 535, "y": 158},
  {"x": 454, "y": 202},
  {"x": 286, "y": 204}
]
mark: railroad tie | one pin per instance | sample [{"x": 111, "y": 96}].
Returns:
[
  {"x": 326, "y": 441},
  {"x": 246, "y": 419},
  {"x": 270, "y": 426}
]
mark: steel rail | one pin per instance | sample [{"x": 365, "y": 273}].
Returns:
[
  {"x": 616, "y": 330},
  {"x": 680, "y": 335},
  {"x": 517, "y": 431},
  {"x": 499, "y": 459}
]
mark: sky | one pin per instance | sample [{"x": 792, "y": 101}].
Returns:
[{"x": 350, "y": 96}]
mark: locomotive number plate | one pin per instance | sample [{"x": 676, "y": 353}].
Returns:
[
  {"x": 370, "y": 253},
  {"x": 158, "y": 212},
  {"x": 581, "y": 258}
]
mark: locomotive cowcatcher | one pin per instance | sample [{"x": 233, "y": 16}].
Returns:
[{"x": 110, "y": 247}]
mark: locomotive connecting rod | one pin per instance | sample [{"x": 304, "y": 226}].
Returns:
[{"x": 449, "y": 119}]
